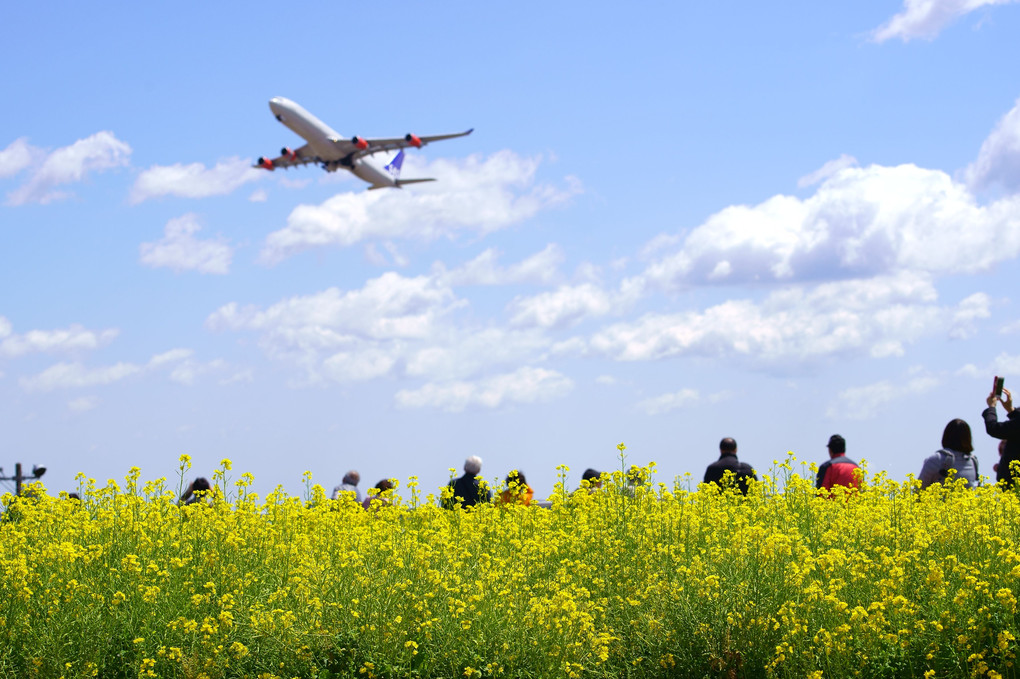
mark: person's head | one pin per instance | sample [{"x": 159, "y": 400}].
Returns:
[
  {"x": 200, "y": 484},
  {"x": 957, "y": 437},
  {"x": 836, "y": 445},
  {"x": 352, "y": 477},
  {"x": 728, "y": 446},
  {"x": 384, "y": 485},
  {"x": 516, "y": 476},
  {"x": 473, "y": 465}
]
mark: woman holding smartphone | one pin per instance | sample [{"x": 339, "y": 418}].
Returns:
[{"x": 1008, "y": 431}]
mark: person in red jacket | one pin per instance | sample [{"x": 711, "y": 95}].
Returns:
[{"x": 839, "y": 469}]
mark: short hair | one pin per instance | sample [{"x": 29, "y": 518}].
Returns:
[
  {"x": 957, "y": 437},
  {"x": 473, "y": 464},
  {"x": 836, "y": 444},
  {"x": 384, "y": 485},
  {"x": 728, "y": 445},
  {"x": 516, "y": 476},
  {"x": 590, "y": 474},
  {"x": 352, "y": 477},
  {"x": 200, "y": 484}
]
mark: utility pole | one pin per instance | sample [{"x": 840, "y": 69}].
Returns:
[{"x": 20, "y": 478}]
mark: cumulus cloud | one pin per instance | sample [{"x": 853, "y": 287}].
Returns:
[
  {"x": 526, "y": 385},
  {"x": 477, "y": 195},
  {"x": 67, "y": 340},
  {"x": 861, "y": 222},
  {"x": 194, "y": 180},
  {"x": 567, "y": 305},
  {"x": 875, "y": 317},
  {"x": 864, "y": 403},
  {"x": 998, "y": 161},
  {"x": 101, "y": 151},
  {"x": 1003, "y": 364},
  {"x": 181, "y": 251},
  {"x": 926, "y": 18},
  {"x": 16, "y": 157},
  {"x": 393, "y": 325},
  {"x": 540, "y": 268}
]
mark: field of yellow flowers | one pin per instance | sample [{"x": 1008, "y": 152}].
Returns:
[{"x": 652, "y": 581}]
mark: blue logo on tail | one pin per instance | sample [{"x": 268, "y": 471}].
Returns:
[{"x": 394, "y": 167}]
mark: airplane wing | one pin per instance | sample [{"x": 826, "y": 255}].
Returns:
[
  {"x": 366, "y": 147},
  {"x": 288, "y": 158}
]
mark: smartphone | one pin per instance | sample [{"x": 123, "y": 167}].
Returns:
[{"x": 997, "y": 386}]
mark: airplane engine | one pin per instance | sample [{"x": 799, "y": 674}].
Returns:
[
  {"x": 288, "y": 153},
  {"x": 265, "y": 163},
  {"x": 413, "y": 140},
  {"x": 359, "y": 143}
]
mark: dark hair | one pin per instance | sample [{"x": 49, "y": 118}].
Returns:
[
  {"x": 728, "y": 445},
  {"x": 957, "y": 437},
  {"x": 591, "y": 474},
  {"x": 516, "y": 476},
  {"x": 836, "y": 444},
  {"x": 201, "y": 483},
  {"x": 385, "y": 484}
]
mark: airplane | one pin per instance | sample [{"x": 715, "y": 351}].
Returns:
[{"x": 333, "y": 152}]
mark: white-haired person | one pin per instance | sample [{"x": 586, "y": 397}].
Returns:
[{"x": 469, "y": 490}]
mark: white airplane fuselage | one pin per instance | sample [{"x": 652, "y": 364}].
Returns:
[{"x": 320, "y": 138}]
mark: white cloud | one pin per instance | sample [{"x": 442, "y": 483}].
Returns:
[
  {"x": 73, "y": 338},
  {"x": 258, "y": 196},
  {"x": 76, "y": 375},
  {"x": 827, "y": 170},
  {"x": 526, "y": 385},
  {"x": 194, "y": 180},
  {"x": 998, "y": 161},
  {"x": 861, "y": 222},
  {"x": 926, "y": 18},
  {"x": 864, "y": 403},
  {"x": 1011, "y": 328},
  {"x": 541, "y": 267},
  {"x": 1003, "y": 364},
  {"x": 83, "y": 404},
  {"x": 16, "y": 157},
  {"x": 456, "y": 354},
  {"x": 181, "y": 251},
  {"x": 179, "y": 362},
  {"x": 667, "y": 402},
  {"x": 101, "y": 151},
  {"x": 567, "y": 305},
  {"x": 875, "y": 317},
  {"x": 607, "y": 380},
  {"x": 477, "y": 195},
  {"x": 387, "y": 307}
]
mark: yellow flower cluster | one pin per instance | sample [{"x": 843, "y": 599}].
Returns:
[{"x": 639, "y": 580}]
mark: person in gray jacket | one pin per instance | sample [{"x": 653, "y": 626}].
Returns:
[{"x": 955, "y": 455}]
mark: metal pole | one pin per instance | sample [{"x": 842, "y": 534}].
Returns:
[{"x": 18, "y": 478}]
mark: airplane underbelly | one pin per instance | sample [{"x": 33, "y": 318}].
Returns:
[{"x": 371, "y": 174}]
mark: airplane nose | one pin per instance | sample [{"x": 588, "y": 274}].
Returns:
[{"x": 278, "y": 106}]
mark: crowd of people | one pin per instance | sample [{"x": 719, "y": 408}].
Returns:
[{"x": 954, "y": 460}]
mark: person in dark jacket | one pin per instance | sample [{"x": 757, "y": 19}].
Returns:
[
  {"x": 1008, "y": 431},
  {"x": 468, "y": 489},
  {"x": 742, "y": 472},
  {"x": 839, "y": 469}
]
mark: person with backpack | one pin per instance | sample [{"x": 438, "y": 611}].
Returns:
[{"x": 955, "y": 455}]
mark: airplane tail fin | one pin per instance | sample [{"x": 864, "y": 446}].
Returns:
[{"x": 394, "y": 167}]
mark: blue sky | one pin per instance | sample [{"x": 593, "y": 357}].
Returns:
[{"x": 672, "y": 224}]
